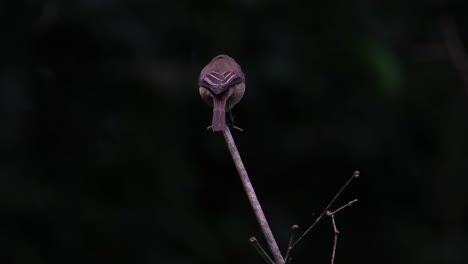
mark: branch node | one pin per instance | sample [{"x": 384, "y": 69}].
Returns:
[{"x": 357, "y": 174}]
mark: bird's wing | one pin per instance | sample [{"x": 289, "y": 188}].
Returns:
[{"x": 218, "y": 82}]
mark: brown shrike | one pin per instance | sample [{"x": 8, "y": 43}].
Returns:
[{"x": 221, "y": 85}]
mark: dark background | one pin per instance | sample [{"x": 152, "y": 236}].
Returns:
[{"x": 105, "y": 157}]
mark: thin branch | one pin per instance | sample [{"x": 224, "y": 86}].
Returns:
[
  {"x": 336, "y": 232},
  {"x": 252, "y": 197},
  {"x": 260, "y": 250},
  {"x": 291, "y": 241},
  {"x": 350, "y": 203},
  {"x": 355, "y": 175},
  {"x": 335, "y": 239}
]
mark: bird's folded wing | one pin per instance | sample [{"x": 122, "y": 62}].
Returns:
[{"x": 219, "y": 82}]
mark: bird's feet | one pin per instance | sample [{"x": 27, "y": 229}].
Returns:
[{"x": 231, "y": 126}]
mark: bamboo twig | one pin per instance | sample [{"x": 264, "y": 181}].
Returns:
[{"x": 252, "y": 197}]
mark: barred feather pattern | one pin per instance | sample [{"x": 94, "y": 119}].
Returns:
[
  {"x": 218, "y": 82},
  {"x": 221, "y": 81}
]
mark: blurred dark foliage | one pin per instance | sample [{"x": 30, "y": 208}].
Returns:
[{"x": 106, "y": 159}]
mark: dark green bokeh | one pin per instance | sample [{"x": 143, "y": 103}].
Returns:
[{"x": 105, "y": 156}]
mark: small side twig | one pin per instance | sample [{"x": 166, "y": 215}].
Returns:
[
  {"x": 350, "y": 203},
  {"x": 335, "y": 229},
  {"x": 252, "y": 197},
  {"x": 335, "y": 239},
  {"x": 260, "y": 250},
  {"x": 355, "y": 175},
  {"x": 291, "y": 241}
]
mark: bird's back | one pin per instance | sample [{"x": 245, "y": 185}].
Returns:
[{"x": 220, "y": 74}]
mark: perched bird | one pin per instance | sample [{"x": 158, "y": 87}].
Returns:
[{"x": 221, "y": 85}]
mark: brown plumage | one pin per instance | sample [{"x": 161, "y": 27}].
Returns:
[{"x": 221, "y": 81}]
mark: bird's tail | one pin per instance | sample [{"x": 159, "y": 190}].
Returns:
[{"x": 219, "y": 115}]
